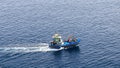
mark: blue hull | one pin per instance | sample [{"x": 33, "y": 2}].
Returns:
[
  {"x": 65, "y": 45},
  {"x": 55, "y": 46}
]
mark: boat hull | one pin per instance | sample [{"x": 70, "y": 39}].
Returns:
[
  {"x": 65, "y": 45},
  {"x": 55, "y": 46}
]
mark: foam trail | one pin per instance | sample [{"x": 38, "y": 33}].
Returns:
[{"x": 39, "y": 48}]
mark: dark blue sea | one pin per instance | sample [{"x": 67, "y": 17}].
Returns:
[{"x": 27, "y": 26}]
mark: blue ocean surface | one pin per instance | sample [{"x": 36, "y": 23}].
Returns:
[{"x": 27, "y": 26}]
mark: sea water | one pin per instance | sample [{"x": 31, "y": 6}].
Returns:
[{"x": 27, "y": 26}]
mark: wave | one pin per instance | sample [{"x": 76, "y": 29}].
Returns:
[{"x": 43, "y": 47}]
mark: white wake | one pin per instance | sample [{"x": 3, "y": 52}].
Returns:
[{"x": 40, "y": 48}]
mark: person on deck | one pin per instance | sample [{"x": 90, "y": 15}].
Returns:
[{"x": 71, "y": 38}]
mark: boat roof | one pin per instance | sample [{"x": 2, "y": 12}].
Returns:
[{"x": 56, "y": 36}]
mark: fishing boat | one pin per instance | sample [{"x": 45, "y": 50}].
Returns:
[{"x": 58, "y": 43}]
